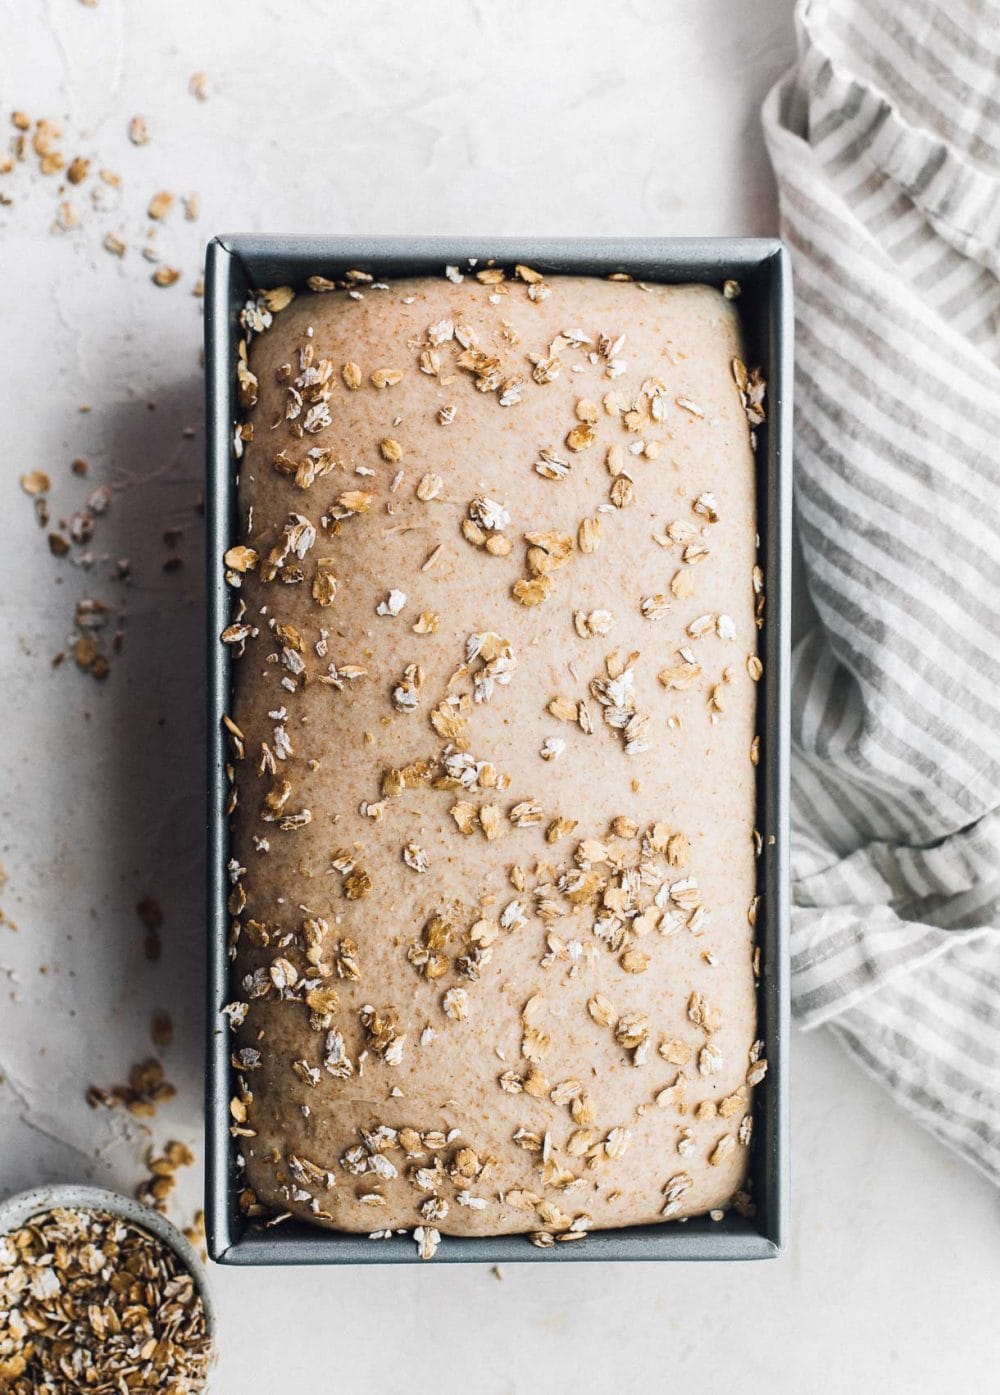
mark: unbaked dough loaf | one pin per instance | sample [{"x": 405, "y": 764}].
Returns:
[{"x": 493, "y": 869}]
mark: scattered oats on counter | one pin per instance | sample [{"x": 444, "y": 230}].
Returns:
[
  {"x": 158, "y": 1186},
  {"x": 93, "y": 194}
]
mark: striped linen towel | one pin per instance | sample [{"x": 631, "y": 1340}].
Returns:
[{"x": 885, "y": 139}]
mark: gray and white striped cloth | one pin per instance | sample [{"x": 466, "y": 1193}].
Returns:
[{"x": 885, "y": 140}]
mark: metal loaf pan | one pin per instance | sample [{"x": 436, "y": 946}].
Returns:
[{"x": 238, "y": 264}]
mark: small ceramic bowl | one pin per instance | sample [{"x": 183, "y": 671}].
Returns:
[{"x": 17, "y": 1210}]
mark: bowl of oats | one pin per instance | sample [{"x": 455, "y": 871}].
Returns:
[{"x": 97, "y": 1289}]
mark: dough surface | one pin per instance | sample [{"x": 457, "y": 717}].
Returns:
[{"x": 495, "y": 689}]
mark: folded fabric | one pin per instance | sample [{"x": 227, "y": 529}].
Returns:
[{"x": 885, "y": 140}]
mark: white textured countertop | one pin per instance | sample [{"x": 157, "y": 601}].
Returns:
[{"x": 455, "y": 117}]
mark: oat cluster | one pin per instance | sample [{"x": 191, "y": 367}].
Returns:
[{"x": 146, "y": 1088}]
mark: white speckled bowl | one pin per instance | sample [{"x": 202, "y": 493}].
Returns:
[{"x": 16, "y": 1210}]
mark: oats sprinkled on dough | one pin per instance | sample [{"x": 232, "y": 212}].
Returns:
[{"x": 493, "y": 889}]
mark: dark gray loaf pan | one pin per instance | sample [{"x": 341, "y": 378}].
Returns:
[{"x": 236, "y": 265}]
